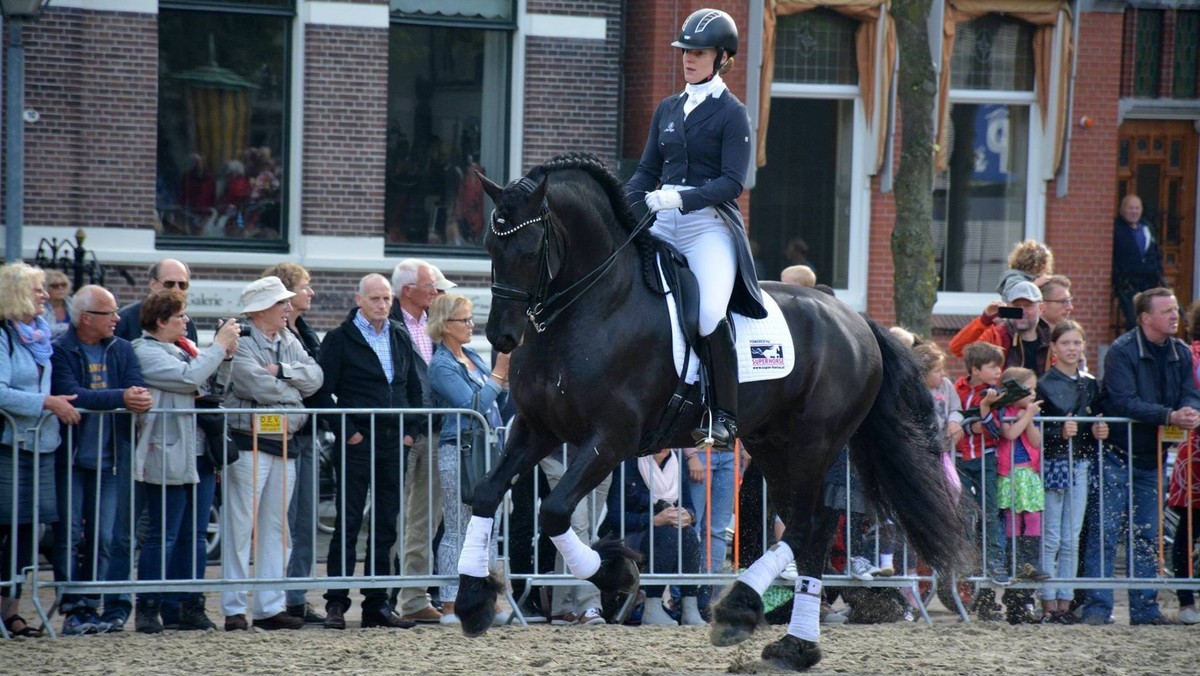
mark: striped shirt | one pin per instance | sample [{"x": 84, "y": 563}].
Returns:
[
  {"x": 380, "y": 342},
  {"x": 416, "y": 330}
]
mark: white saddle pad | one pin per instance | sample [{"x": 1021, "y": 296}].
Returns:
[{"x": 764, "y": 346}]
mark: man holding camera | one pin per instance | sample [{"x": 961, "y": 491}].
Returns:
[{"x": 1015, "y": 326}]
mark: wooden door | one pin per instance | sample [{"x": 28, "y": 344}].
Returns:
[{"x": 1156, "y": 160}]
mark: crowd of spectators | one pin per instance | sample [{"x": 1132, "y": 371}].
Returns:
[{"x": 70, "y": 362}]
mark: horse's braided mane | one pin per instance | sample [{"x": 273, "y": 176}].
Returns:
[{"x": 594, "y": 167}]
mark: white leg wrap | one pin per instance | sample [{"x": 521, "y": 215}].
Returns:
[
  {"x": 473, "y": 560},
  {"x": 582, "y": 560},
  {"x": 806, "y": 610},
  {"x": 764, "y": 571}
]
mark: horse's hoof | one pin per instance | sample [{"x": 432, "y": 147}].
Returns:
[
  {"x": 618, "y": 567},
  {"x": 476, "y": 603},
  {"x": 736, "y": 616},
  {"x": 792, "y": 653}
]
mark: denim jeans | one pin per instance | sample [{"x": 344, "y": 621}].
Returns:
[
  {"x": 1121, "y": 484},
  {"x": 176, "y": 515},
  {"x": 980, "y": 474},
  {"x": 83, "y": 495},
  {"x": 722, "y": 507},
  {"x": 130, "y": 500},
  {"x": 1062, "y": 522},
  {"x": 302, "y": 517}
]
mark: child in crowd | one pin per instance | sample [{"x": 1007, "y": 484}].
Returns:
[
  {"x": 1069, "y": 448},
  {"x": 1019, "y": 492},
  {"x": 977, "y": 450},
  {"x": 1030, "y": 261},
  {"x": 946, "y": 404}
]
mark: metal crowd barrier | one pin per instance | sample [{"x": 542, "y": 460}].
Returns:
[{"x": 327, "y": 464}]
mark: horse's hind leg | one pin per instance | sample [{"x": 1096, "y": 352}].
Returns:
[
  {"x": 475, "y": 604},
  {"x": 810, "y": 531},
  {"x": 740, "y": 610}
]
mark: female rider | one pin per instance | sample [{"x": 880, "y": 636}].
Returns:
[{"x": 691, "y": 171}]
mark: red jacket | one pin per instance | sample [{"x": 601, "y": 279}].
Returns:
[
  {"x": 1186, "y": 462},
  {"x": 972, "y": 446}
]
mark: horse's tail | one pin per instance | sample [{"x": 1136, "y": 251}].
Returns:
[{"x": 897, "y": 454}]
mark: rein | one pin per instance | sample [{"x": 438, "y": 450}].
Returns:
[{"x": 540, "y": 309}]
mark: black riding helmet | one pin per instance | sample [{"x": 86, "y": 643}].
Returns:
[{"x": 709, "y": 28}]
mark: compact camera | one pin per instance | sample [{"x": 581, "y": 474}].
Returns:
[{"x": 243, "y": 329}]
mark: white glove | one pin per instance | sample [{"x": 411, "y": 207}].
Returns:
[{"x": 663, "y": 199}]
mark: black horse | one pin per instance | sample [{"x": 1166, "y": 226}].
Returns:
[{"x": 592, "y": 367}]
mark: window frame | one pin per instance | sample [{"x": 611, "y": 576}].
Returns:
[
  {"x": 858, "y": 248},
  {"x": 502, "y": 127},
  {"x": 972, "y": 302},
  {"x": 289, "y": 187}
]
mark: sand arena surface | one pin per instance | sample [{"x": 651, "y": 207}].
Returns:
[{"x": 945, "y": 648}]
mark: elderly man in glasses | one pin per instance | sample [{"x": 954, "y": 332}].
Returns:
[
  {"x": 94, "y": 471},
  {"x": 165, "y": 274}
]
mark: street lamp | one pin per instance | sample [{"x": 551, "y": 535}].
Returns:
[{"x": 16, "y": 14}]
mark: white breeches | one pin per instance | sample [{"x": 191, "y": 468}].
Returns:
[{"x": 706, "y": 242}]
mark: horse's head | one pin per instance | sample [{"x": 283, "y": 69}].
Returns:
[{"x": 526, "y": 251}]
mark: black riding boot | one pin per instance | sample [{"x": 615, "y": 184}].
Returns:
[{"x": 720, "y": 357}]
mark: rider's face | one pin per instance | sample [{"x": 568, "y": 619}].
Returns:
[{"x": 698, "y": 64}]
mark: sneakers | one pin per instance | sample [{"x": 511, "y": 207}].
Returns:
[
  {"x": 449, "y": 618},
  {"x": 84, "y": 621},
  {"x": 1189, "y": 615},
  {"x": 861, "y": 569},
  {"x": 1097, "y": 620},
  {"x": 790, "y": 573},
  {"x": 1032, "y": 573},
  {"x": 591, "y": 616},
  {"x": 1000, "y": 577}
]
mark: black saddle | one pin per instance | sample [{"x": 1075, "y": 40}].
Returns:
[{"x": 681, "y": 283}]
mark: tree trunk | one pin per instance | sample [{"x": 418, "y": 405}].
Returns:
[{"x": 915, "y": 283}]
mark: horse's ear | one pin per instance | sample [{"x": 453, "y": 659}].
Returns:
[
  {"x": 539, "y": 193},
  {"x": 489, "y": 187}
]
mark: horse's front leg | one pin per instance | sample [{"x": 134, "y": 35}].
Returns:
[
  {"x": 609, "y": 564},
  {"x": 475, "y": 604}
]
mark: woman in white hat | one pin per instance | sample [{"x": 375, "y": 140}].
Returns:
[{"x": 270, "y": 370}]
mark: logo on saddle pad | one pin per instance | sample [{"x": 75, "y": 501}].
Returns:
[{"x": 766, "y": 355}]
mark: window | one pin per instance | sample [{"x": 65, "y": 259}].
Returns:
[
  {"x": 1147, "y": 62},
  {"x": 1187, "y": 36},
  {"x": 816, "y": 47},
  {"x": 222, "y": 131},
  {"x": 447, "y": 120},
  {"x": 804, "y": 198},
  {"x": 980, "y": 200}
]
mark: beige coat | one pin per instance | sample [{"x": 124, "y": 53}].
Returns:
[{"x": 252, "y": 386}]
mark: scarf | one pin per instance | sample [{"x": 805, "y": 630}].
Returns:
[
  {"x": 697, "y": 93},
  {"x": 663, "y": 482},
  {"x": 187, "y": 346},
  {"x": 35, "y": 336}
]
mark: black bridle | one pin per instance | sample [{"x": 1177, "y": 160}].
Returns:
[{"x": 541, "y": 307}]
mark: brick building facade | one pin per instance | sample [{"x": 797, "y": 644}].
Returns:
[{"x": 547, "y": 76}]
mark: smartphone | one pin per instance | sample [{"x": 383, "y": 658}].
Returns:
[{"x": 1011, "y": 313}]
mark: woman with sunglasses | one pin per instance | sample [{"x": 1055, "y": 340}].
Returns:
[
  {"x": 57, "y": 308},
  {"x": 458, "y": 378}
]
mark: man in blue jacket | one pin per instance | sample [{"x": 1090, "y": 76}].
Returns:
[
  {"x": 1149, "y": 377},
  {"x": 95, "y": 459},
  {"x": 1136, "y": 261}
]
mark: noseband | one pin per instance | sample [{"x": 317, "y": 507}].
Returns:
[{"x": 541, "y": 307}]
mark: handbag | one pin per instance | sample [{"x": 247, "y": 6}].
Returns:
[{"x": 472, "y": 465}]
